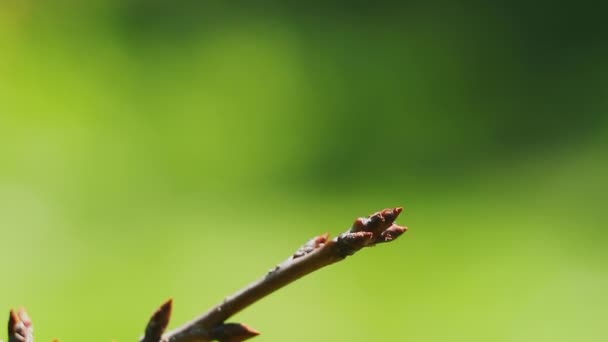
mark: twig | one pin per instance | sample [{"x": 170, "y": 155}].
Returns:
[{"x": 315, "y": 254}]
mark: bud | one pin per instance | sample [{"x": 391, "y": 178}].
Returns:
[
  {"x": 391, "y": 233},
  {"x": 233, "y": 332},
  {"x": 158, "y": 323}
]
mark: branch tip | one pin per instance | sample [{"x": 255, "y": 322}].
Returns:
[
  {"x": 315, "y": 254},
  {"x": 390, "y": 215},
  {"x": 377, "y": 222},
  {"x": 376, "y": 228},
  {"x": 392, "y": 233}
]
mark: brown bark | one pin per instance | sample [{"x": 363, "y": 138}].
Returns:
[{"x": 317, "y": 253}]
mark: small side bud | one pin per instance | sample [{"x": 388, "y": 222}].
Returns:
[
  {"x": 390, "y": 215},
  {"x": 391, "y": 233},
  {"x": 350, "y": 243},
  {"x": 375, "y": 223},
  {"x": 233, "y": 332},
  {"x": 311, "y": 245}
]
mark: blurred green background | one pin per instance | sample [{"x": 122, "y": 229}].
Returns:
[{"x": 156, "y": 149}]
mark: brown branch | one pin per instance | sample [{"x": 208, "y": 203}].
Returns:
[
  {"x": 20, "y": 327},
  {"x": 315, "y": 254}
]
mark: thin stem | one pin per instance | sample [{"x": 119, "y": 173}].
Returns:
[{"x": 317, "y": 253}]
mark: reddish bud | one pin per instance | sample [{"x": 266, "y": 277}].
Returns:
[
  {"x": 390, "y": 215},
  {"x": 311, "y": 245},
  {"x": 359, "y": 225},
  {"x": 391, "y": 233},
  {"x": 321, "y": 239}
]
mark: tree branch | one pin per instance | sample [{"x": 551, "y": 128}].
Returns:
[
  {"x": 315, "y": 254},
  {"x": 319, "y": 252}
]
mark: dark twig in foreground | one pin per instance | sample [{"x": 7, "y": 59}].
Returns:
[{"x": 315, "y": 254}]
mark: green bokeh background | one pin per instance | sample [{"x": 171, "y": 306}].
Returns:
[{"x": 154, "y": 149}]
